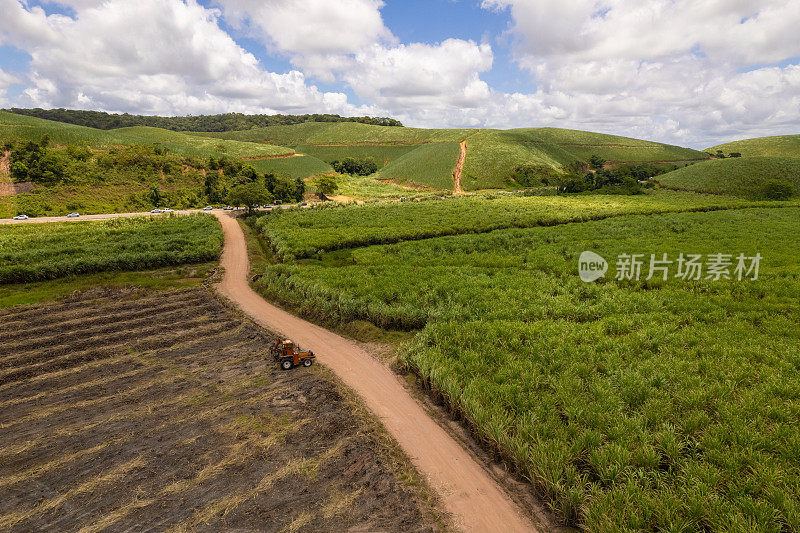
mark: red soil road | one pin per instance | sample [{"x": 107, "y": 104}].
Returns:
[
  {"x": 468, "y": 492},
  {"x": 462, "y": 156}
]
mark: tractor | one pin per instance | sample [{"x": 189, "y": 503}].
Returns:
[{"x": 286, "y": 353}]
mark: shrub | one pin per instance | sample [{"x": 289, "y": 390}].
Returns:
[
  {"x": 533, "y": 175},
  {"x": 325, "y": 184},
  {"x": 353, "y": 166},
  {"x": 775, "y": 189}
]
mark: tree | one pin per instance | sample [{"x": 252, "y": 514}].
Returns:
[
  {"x": 212, "y": 187},
  {"x": 249, "y": 195},
  {"x": 353, "y": 166},
  {"x": 247, "y": 174},
  {"x": 155, "y": 196},
  {"x": 299, "y": 188},
  {"x": 325, "y": 184},
  {"x": 596, "y": 162},
  {"x": 533, "y": 175}
]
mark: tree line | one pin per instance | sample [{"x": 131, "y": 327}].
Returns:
[
  {"x": 171, "y": 179},
  {"x": 629, "y": 178},
  {"x": 216, "y": 123}
]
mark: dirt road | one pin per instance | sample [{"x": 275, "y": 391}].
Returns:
[
  {"x": 468, "y": 492},
  {"x": 462, "y": 156}
]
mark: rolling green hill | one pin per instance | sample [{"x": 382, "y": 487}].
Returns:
[
  {"x": 30, "y": 128},
  {"x": 743, "y": 177},
  {"x": 291, "y": 167},
  {"x": 429, "y": 164},
  {"x": 324, "y": 133},
  {"x": 491, "y": 154},
  {"x": 383, "y": 154},
  {"x": 778, "y": 146}
]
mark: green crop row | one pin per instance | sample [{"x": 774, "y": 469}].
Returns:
[
  {"x": 744, "y": 177},
  {"x": 35, "y": 252},
  {"x": 304, "y": 233},
  {"x": 777, "y": 146},
  {"x": 430, "y": 165},
  {"x": 631, "y": 405}
]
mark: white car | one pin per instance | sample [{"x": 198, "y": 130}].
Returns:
[
  {"x": 21, "y": 217},
  {"x": 73, "y": 215},
  {"x": 208, "y": 208},
  {"x": 167, "y": 210},
  {"x": 156, "y": 210}
]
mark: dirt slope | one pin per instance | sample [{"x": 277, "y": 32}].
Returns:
[{"x": 468, "y": 492}]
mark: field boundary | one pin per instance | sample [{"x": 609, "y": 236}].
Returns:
[
  {"x": 281, "y": 156},
  {"x": 467, "y": 490},
  {"x": 377, "y": 241}
]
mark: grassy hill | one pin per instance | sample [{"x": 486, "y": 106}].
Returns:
[
  {"x": 744, "y": 177},
  {"x": 491, "y": 154},
  {"x": 778, "y": 146},
  {"x": 428, "y": 164},
  {"x": 291, "y": 167},
  {"x": 31, "y": 128},
  {"x": 323, "y": 133}
]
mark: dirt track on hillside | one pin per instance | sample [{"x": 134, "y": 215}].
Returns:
[
  {"x": 462, "y": 156},
  {"x": 475, "y": 500},
  {"x": 282, "y": 156}
]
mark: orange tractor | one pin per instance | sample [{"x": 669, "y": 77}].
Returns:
[{"x": 286, "y": 353}]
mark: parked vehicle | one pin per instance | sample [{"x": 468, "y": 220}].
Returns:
[
  {"x": 21, "y": 217},
  {"x": 288, "y": 355},
  {"x": 208, "y": 208},
  {"x": 156, "y": 210},
  {"x": 167, "y": 210},
  {"x": 73, "y": 215}
]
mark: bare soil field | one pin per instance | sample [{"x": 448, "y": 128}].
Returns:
[{"x": 129, "y": 410}]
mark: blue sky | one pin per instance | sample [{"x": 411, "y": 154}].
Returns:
[{"x": 689, "y": 72}]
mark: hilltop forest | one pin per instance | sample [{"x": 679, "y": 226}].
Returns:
[{"x": 222, "y": 122}]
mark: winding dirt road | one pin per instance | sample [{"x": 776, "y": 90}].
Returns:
[{"x": 467, "y": 491}]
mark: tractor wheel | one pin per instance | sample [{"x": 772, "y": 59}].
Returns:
[
  {"x": 307, "y": 362},
  {"x": 286, "y": 364}
]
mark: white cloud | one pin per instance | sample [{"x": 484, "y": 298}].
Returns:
[
  {"x": 153, "y": 56},
  {"x": 317, "y": 35},
  {"x": 421, "y": 75},
  {"x": 6, "y": 80},
  {"x": 348, "y": 41},
  {"x": 684, "y": 71},
  {"x": 670, "y": 69}
]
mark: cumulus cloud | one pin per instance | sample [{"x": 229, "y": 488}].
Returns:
[
  {"x": 6, "y": 80},
  {"x": 153, "y": 56},
  {"x": 690, "y": 71},
  {"x": 348, "y": 41},
  {"x": 421, "y": 75},
  {"x": 317, "y": 35}
]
